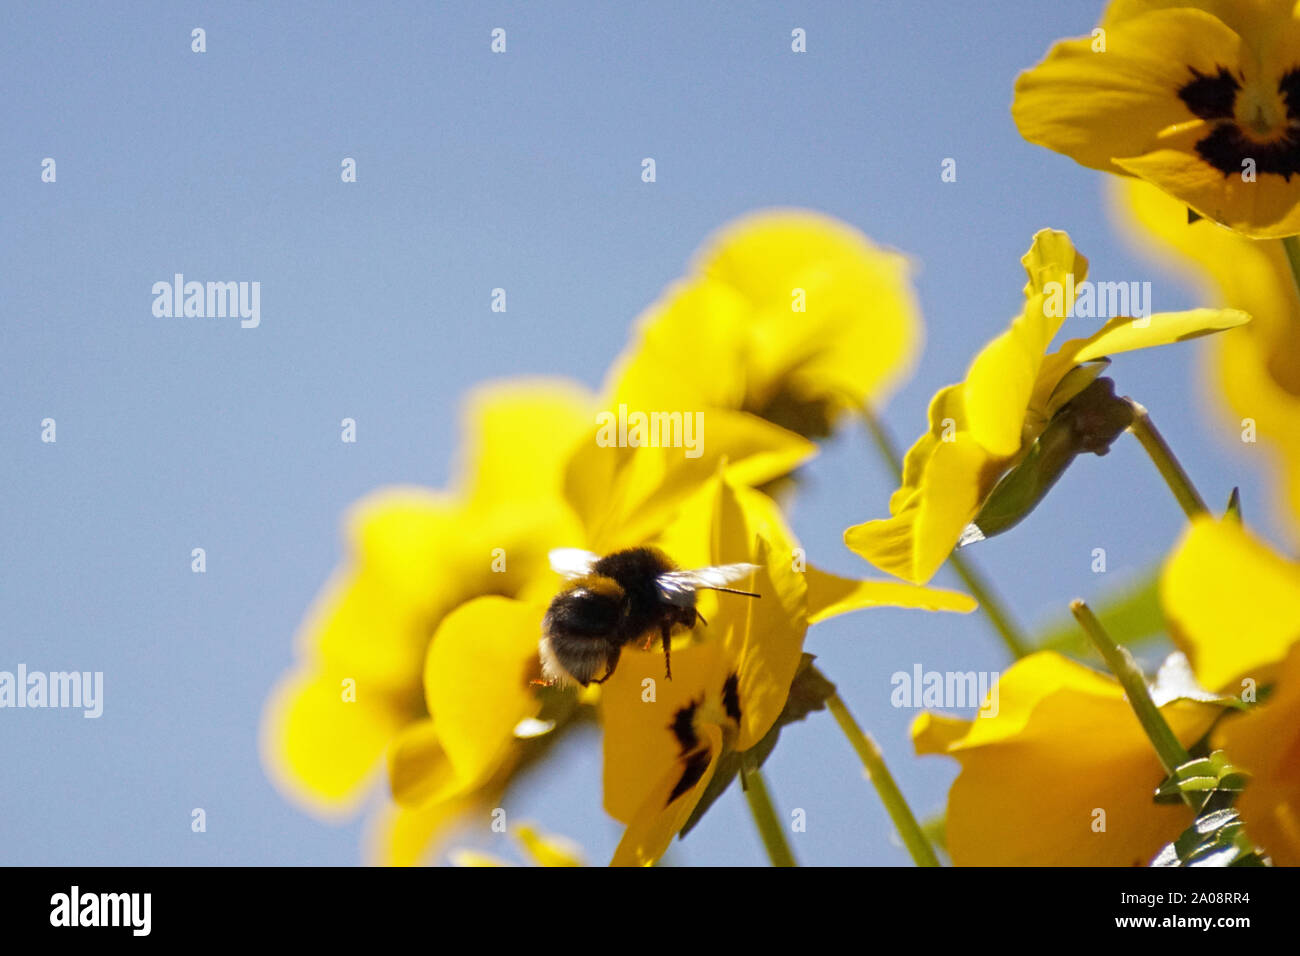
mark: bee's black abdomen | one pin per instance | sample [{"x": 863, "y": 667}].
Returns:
[
  {"x": 581, "y": 627},
  {"x": 583, "y": 612}
]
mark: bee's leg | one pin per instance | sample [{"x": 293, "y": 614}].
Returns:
[
  {"x": 610, "y": 663},
  {"x": 701, "y": 617},
  {"x": 668, "y": 651}
]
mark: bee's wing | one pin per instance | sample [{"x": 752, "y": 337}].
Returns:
[
  {"x": 572, "y": 562},
  {"x": 679, "y": 587}
]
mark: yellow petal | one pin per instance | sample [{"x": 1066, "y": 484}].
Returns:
[
  {"x": 1252, "y": 20},
  {"x": 662, "y": 815},
  {"x": 1244, "y": 273},
  {"x": 1232, "y": 603},
  {"x": 915, "y": 542},
  {"x": 1266, "y": 743},
  {"x": 400, "y": 536},
  {"x": 937, "y": 733},
  {"x": 1267, "y": 208},
  {"x": 322, "y": 749},
  {"x": 762, "y": 637},
  {"x": 547, "y": 849},
  {"x": 373, "y": 618},
  {"x": 1004, "y": 375},
  {"x": 474, "y": 858},
  {"x": 1123, "y": 334},
  {"x": 405, "y": 836},
  {"x": 625, "y": 495},
  {"x": 1255, "y": 369},
  {"x": 638, "y": 709},
  {"x": 476, "y": 682},
  {"x": 830, "y": 595},
  {"x": 687, "y": 352},
  {"x": 418, "y": 770},
  {"x": 518, "y": 438}
]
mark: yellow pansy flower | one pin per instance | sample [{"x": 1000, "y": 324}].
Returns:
[
  {"x": 663, "y": 738},
  {"x": 788, "y": 316},
  {"x": 1200, "y": 98},
  {"x": 1061, "y": 774},
  {"x": 414, "y": 555},
  {"x": 1234, "y": 605},
  {"x": 981, "y": 427},
  {"x": 1256, "y": 368}
]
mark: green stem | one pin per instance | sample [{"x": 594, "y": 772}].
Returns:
[
  {"x": 1166, "y": 462},
  {"x": 874, "y": 765},
  {"x": 980, "y": 588},
  {"x": 1171, "y": 752},
  {"x": 991, "y": 604},
  {"x": 765, "y": 818},
  {"x": 1292, "y": 246}
]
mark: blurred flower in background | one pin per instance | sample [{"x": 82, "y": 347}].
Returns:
[
  {"x": 1254, "y": 371},
  {"x": 423, "y": 648},
  {"x": 787, "y": 315},
  {"x": 414, "y": 555}
]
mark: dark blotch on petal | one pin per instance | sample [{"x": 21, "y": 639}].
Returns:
[
  {"x": 1211, "y": 95},
  {"x": 695, "y": 765},
  {"x": 731, "y": 697},
  {"x": 683, "y": 728},
  {"x": 1289, "y": 87},
  {"x": 1228, "y": 147}
]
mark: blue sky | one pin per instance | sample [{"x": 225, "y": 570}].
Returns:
[{"x": 475, "y": 171}]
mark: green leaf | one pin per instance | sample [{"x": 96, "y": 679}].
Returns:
[
  {"x": 808, "y": 693},
  {"x": 1130, "y": 615},
  {"x": 1213, "y": 839},
  {"x": 1206, "y": 775}
]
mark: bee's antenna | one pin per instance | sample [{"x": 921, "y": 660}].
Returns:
[{"x": 731, "y": 591}]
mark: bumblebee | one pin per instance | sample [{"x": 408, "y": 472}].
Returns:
[{"x": 610, "y": 602}]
